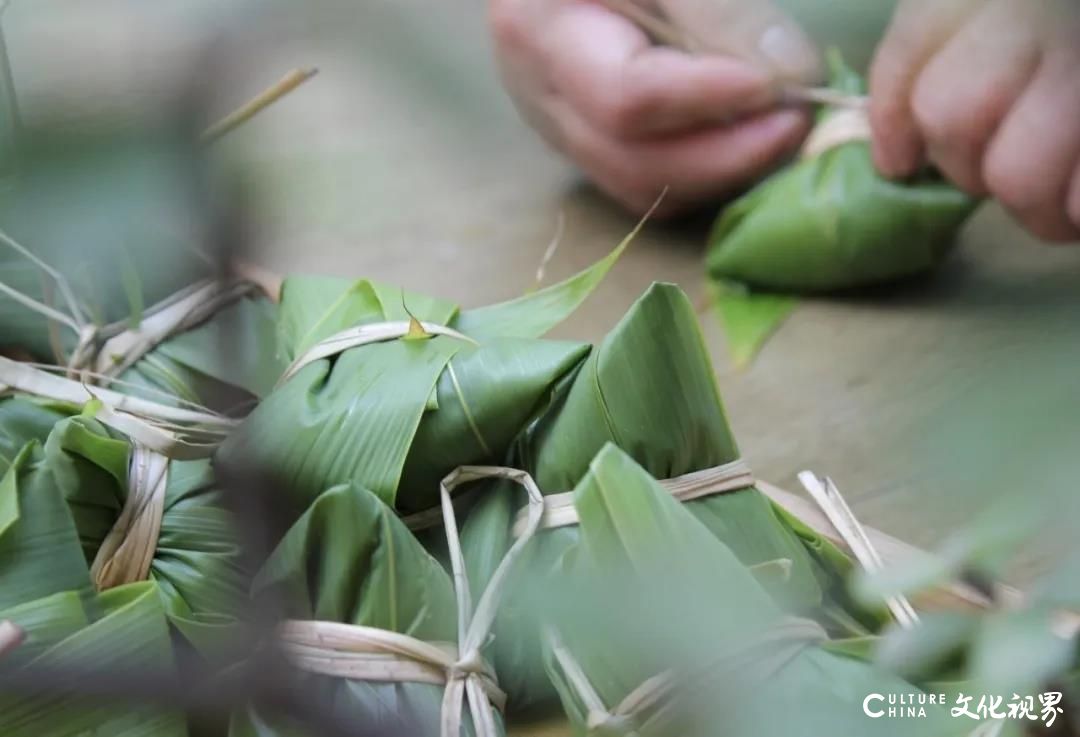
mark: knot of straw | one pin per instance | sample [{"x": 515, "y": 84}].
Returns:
[
  {"x": 559, "y": 509},
  {"x": 471, "y": 664},
  {"x": 370, "y": 654},
  {"x": 840, "y": 126},
  {"x": 379, "y": 332},
  {"x": 175, "y": 314},
  {"x": 652, "y": 705},
  {"x": 128, "y": 550}
]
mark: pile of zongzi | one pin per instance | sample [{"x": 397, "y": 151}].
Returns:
[{"x": 474, "y": 523}]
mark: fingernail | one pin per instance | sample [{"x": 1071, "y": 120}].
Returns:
[{"x": 790, "y": 52}]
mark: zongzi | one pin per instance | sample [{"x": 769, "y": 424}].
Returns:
[
  {"x": 393, "y": 390},
  {"x": 696, "y": 646},
  {"x": 649, "y": 388}
]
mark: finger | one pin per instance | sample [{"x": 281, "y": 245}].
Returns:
[
  {"x": 605, "y": 67},
  {"x": 693, "y": 167},
  {"x": 957, "y": 112},
  {"x": 918, "y": 29},
  {"x": 716, "y": 161},
  {"x": 1030, "y": 163},
  {"x": 754, "y": 31}
]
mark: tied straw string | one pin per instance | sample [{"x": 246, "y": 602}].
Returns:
[
  {"x": 157, "y": 436},
  {"x": 128, "y": 549},
  {"x": 836, "y": 509},
  {"x": 378, "y": 332},
  {"x": 366, "y": 653},
  {"x": 129, "y": 414},
  {"x": 559, "y": 509},
  {"x": 177, "y": 313}
]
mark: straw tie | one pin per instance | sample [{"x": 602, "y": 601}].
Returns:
[
  {"x": 840, "y": 126},
  {"x": 128, "y": 550},
  {"x": 379, "y": 332},
  {"x": 652, "y": 703},
  {"x": 370, "y": 654},
  {"x": 559, "y": 509},
  {"x": 178, "y": 433},
  {"x": 177, "y": 313}
]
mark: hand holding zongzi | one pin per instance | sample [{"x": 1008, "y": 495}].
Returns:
[{"x": 991, "y": 97}]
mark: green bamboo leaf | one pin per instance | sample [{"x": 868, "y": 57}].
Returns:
[
  {"x": 23, "y": 420},
  {"x": 237, "y": 348},
  {"x": 44, "y": 622},
  {"x": 126, "y": 630},
  {"x": 650, "y": 388},
  {"x": 395, "y": 416},
  {"x": 629, "y": 522},
  {"x": 350, "y": 559},
  {"x": 534, "y": 314},
  {"x": 352, "y": 419},
  {"x": 399, "y": 304},
  {"x": 39, "y": 545},
  {"x": 748, "y": 318},
  {"x": 475, "y": 421}
]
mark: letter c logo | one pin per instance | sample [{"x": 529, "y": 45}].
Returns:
[{"x": 866, "y": 706}]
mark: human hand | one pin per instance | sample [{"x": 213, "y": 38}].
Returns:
[
  {"x": 638, "y": 117},
  {"x": 989, "y": 92}
]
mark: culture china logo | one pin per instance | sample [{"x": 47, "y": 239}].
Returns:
[{"x": 1045, "y": 707}]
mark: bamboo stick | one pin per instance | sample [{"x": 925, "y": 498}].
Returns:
[{"x": 257, "y": 104}]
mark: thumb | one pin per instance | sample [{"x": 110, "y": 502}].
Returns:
[{"x": 754, "y": 31}]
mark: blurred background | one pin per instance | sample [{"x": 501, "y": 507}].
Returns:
[{"x": 946, "y": 402}]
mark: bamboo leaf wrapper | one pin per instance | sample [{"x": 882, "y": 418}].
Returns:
[{"x": 397, "y": 415}]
